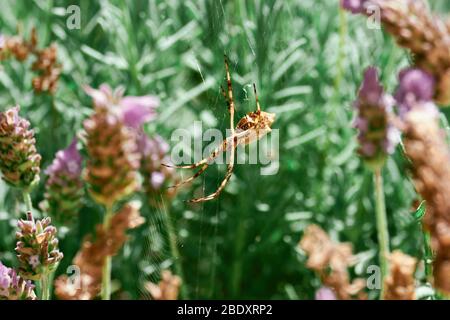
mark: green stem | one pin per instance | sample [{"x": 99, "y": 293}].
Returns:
[
  {"x": 27, "y": 200},
  {"x": 45, "y": 286},
  {"x": 106, "y": 270},
  {"x": 428, "y": 256},
  {"x": 382, "y": 228},
  {"x": 174, "y": 251}
]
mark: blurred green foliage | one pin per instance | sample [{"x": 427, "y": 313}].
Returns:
[{"x": 307, "y": 61}]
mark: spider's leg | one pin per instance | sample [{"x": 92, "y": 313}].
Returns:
[
  {"x": 230, "y": 97},
  {"x": 258, "y": 108},
  {"x": 225, "y": 180},
  {"x": 202, "y": 162},
  {"x": 197, "y": 174}
]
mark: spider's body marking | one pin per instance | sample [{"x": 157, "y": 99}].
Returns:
[
  {"x": 251, "y": 127},
  {"x": 256, "y": 125}
]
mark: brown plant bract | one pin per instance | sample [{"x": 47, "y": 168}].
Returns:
[
  {"x": 91, "y": 257},
  {"x": 167, "y": 289},
  {"x": 399, "y": 283},
  {"x": 48, "y": 68},
  {"x": 331, "y": 261},
  {"x": 45, "y": 65},
  {"x": 427, "y": 37},
  {"x": 113, "y": 158},
  {"x": 426, "y": 146}
]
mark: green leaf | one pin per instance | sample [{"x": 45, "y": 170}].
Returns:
[{"x": 420, "y": 212}]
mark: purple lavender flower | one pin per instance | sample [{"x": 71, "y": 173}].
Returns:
[
  {"x": 67, "y": 163},
  {"x": 134, "y": 110},
  {"x": 377, "y": 136},
  {"x": 13, "y": 287},
  {"x": 354, "y": 6},
  {"x": 138, "y": 110},
  {"x": 5, "y": 280},
  {"x": 64, "y": 188},
  {"x": 416, "y": 90},
  {"x": 325, "y": 293}
]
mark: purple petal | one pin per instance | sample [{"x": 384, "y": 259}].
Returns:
[
  {"x": 417, "y": 87},
  {"x": 325, "y": 293},
  {"x": 354, "y": 6},
  {"x": 67, "y": 162},
  {"x": 138, "y": 110},
  {"x": 157, "y": 179},
  {"x": 371, "y": 90},
  {"x": 368, "y": 149}
]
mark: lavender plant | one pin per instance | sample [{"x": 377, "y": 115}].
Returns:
[
  {"x": 114, "y": 157},
  {"x": 64, "y": 188},
  {"x": 37, "y": 252}
]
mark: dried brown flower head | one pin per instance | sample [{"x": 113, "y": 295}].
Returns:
[
  {"x": 167, "y": 289},
  {"x": 399, "y": 283},
  {"x": 113, "y": 157},
  {"x": 45, "y": 65},
  {"x": 427, "y": 37},
  {"x": 331, "y": 261},
  {"x": 426, "y": 146},
  {"x": 48, "y": 68},
  {"x": 18, "y": 47},
  {"x": 90, "y": 259}
]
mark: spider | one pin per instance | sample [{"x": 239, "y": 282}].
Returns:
[{"x": 250, "y": 128}]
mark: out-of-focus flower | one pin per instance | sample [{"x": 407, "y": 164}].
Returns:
[
  {"x": 157, "y": 178},
  {"x": 427, "y": 36},
  {"x": 13, "y": 287},
  {"x": 167, "y": 289},
  {"x": 90, "y": 259},
  {"x": 17, "y": 46},
  {"x": 37, "y": 248},
  {"x": 113, "y": 161},
  {"x": 377, "y": 136},
  {"x": 354, "y": 6},
  {"x": 49, "y": 70},
  {"x": 416, "y": 90},
  {"x": 400, "y": 281},
  {"x": 134, "y": 111},
  {"x": 64, "y": 188},
  {"x": 426, "y": 147},
  {"x": 331, "y": 261},
  {"x": 138, "y": 110},
  {"x": 19, "y": 160},
  {"x": 325, "y": 293},
  {"x": 112, "y": 135}
]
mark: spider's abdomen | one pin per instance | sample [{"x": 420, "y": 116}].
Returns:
[{"x": 248, "y": 122}]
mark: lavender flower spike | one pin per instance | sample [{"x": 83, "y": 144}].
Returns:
[
  {"x": 377, "y": 136},
  {"x": 19, "y": 160},
  {"x": 64, "y": 188},
  {"x": 416, "y": 91}
]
